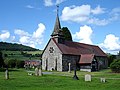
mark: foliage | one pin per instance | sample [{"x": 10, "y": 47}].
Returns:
[
  {"x": 67, "y": 34},
  {"x": 14, "y": 63},
  {"x": 111, "y": 58},
  {"x": 1, "y": 60},
  {"x": 115, "y": 66},
  {"x": 15, "y": 47},
  {"x": 20, "y": 64}
]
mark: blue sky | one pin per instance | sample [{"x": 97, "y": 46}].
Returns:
[{"x": 31, "y": 22}]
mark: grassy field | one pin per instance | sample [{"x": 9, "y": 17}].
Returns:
[
  {"x": 19, "y": 56},
  {"x": 19, "y": 80}
]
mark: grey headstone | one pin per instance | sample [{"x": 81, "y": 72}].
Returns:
[
  {"x": 36, "y": 71},
  {"x": 103, "y": 80},
  {"x": 6, "y": 74},
  {"x": 87, "y": 77},
  {"x": 69, "y": 65},
  {"x": 40, "y": 72}
]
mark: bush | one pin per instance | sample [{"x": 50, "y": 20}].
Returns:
[
  {"x": 14, "y": 63},
  {"x": 19, "y": 64},
  {"x": 115, "y": 66}
]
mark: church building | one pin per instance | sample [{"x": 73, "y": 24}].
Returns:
[{"x": 59, "y": 53}]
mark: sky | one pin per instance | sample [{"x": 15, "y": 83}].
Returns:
[{"x": 31, "y": 22}]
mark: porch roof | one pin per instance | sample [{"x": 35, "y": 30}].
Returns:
[{"x": 86, "y": 58}]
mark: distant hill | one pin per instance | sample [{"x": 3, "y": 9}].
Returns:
[{"x": 15, "y": 47}]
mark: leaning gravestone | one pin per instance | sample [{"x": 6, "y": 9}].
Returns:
[
  {"x": 6, "y": 74},
  {"x": 87, "y": 77}
]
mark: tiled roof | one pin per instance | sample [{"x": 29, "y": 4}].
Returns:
[
  {"x": 86, "y": 58},
  {"x": 75, "y": 48}
]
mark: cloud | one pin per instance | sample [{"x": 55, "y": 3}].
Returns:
[
  {"x": 48, "y": 2},
  {"x": 115, "y": 14},
  {"x": 98, "y": 10},
  {"x": 76, "y": 13},
  {"x": 32, "y": 7},
  {"x": 59, "y": 1},
  {"x": 38, "y": 33},
  {"x": 29, "y": 6},
  {"x": 4, "y": 35},
  {"x": 84, "y": 35},
  {"x": 31, "y": 39},
  {"x": 97, "y": 21},
  {"x": 111, "y": 43},
  {"x": 84, "y": 14},
  {"x": 52, "y": 2},
  {"x": 21, "y": 32}
]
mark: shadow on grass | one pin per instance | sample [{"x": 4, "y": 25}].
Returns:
[{"x": 9, "y": 69}]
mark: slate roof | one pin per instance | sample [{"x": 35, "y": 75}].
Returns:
[
  {"x": 86, "y": 58},
  {"x": 75, "y": 48}
]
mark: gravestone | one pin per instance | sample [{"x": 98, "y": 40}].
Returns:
[
  {"x": 36, "y": 71},
  {"x": 87, "y": 77},
  {"x": 69, "y": 65},
  {"x": 6, "y": 74},
  {"x": 40, "y": 72},
  {"x": 103, "y": 80}
]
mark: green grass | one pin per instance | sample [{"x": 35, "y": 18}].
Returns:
[{"x": 19, "y": 80}]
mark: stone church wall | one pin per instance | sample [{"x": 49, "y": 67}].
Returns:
[
  {"x": 69, "y": 59},
  {"x": 52, "y": 57},
  {"x": 102, "y": 62}
]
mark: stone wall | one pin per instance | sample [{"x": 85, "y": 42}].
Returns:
[
  {"x": 102, "y": 62},
  {"x": 69, "y": 59},
  {"x": 52, "y": 57}
]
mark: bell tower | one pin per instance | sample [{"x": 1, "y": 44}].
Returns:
[{"x": 57, "y": 33}]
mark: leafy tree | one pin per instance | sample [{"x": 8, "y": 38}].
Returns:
[
  {"x": 19, "y": 64},
  {"x": 1, "y": 60},
  {"x": 115, "y": 66},
  {"x": 67, "y": 34},
  {"x": 111, "y": 58}
]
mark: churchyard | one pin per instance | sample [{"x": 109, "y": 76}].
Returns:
[{"x": 20, "y": 80}]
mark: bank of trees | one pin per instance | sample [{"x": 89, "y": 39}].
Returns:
[{"x": 1, "y": 60}]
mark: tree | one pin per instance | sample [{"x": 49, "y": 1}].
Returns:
[
  {"x": 67, "y": 34},
  {"x": 115, "y": 66},
  {"x": 1, "y": 60},
  {"x": 111, "y": 58}
]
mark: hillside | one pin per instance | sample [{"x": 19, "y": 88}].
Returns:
[{"x": 15, "y": 47}]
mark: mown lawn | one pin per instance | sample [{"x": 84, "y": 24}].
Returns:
[{"x": 19, "y": 80}]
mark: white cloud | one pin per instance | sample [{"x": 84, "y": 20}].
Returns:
[
  {"x": 38, "y": 33},
  {"x": 84, "y": 35},
  {"x": 86, "y": 15},
  {"x": 98, "y": 10},
  {"x": 31, "y": 39},
  {"x": 115, "y": 14},
  {"x": 21, "y": 33},
  {"x": 76, "y": 13},
  {"x": 52, "y": 2},
  {"x": 59, "y": 1},
  {"x": 12, "y": 38},
  {"x": 30, "y": 6},
  {"x": 48, "y": 2},
  {"x": 98, "y": 22},
  {"x": 111, "y": 43},
  {"x": 4, "y": 35}
]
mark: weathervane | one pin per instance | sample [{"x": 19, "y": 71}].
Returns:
[{"x": 57, "y": 9}]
